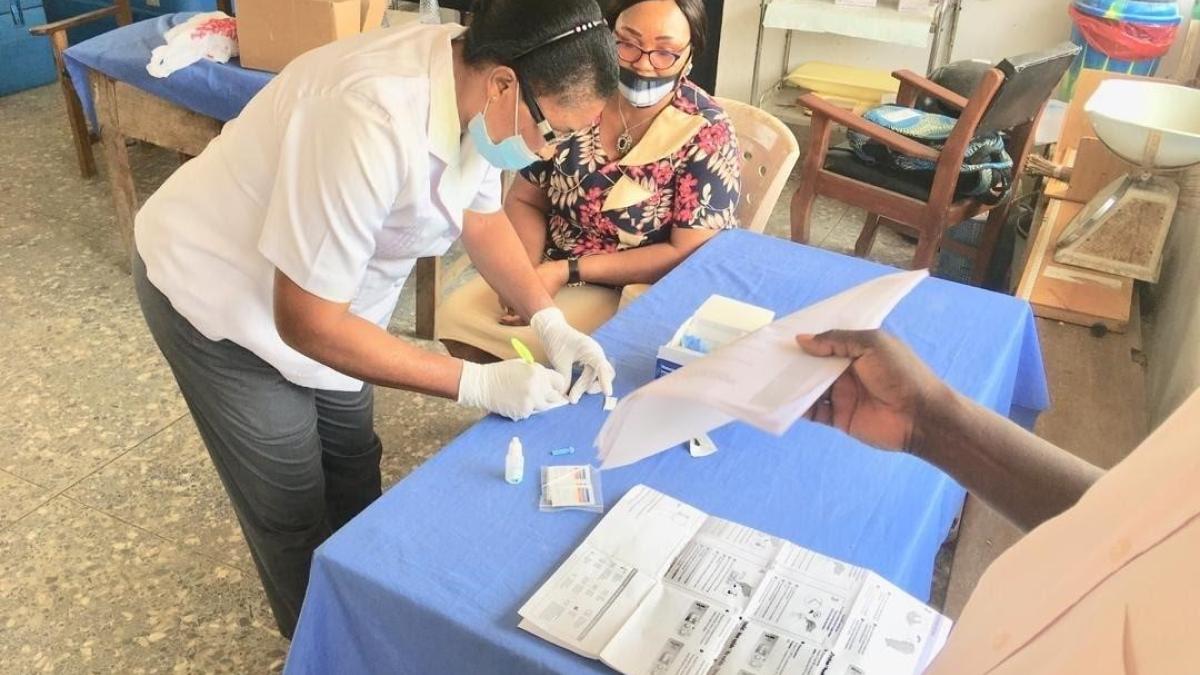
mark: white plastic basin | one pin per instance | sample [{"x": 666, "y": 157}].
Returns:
[{"x": 1124, "y": 112}]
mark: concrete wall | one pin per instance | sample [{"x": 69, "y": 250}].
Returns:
[
  {"x": 988, "y": 29},
  {"x": 1173, "y": 340}
]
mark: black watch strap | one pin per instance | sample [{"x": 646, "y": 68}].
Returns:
[{"x": 573, "y": 272}]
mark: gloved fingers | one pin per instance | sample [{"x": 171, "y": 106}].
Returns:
[
  {"x": 582, "y": 384},
  {"x": 558, "y": 382},
  {"x": 551, "y": 399},
  {"x": 516, "y": 415},
  {"x": 562, "y": 367},
  {"x": 605, "y": 375}
]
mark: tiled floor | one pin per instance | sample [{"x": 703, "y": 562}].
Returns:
[{"x": 118, "y": 549}]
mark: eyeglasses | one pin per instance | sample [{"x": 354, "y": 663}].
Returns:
[
  {"x": 660, "y": 59},
  {"x": 549, "y": 133}
]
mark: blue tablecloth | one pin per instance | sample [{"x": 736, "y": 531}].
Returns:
[
  {"x": 430, "y": 577},
  {"x": 217, "y": 90}
]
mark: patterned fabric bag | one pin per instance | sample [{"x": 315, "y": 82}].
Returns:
[{"x": 987, "y": 169}]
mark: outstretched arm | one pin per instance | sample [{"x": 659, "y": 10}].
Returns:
[{"x": 888, "y": 398}]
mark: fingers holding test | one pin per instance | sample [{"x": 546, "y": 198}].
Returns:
[
  {"x": 586, "y": 378},
  {"x": 556, "y": 380},
  {"x": 849, "y": 344},
  {"x": 605, "y": 374},
  {"x": 552, "y": 399}
]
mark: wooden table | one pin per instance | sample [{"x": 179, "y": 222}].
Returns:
[
  {"x": 1065, "y": 292},
  {"x": 126, "y": 112}
]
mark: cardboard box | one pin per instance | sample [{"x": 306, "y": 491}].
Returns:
[
  {"x": 273, "y": 32},
  {"x": 719, "y": 321}
]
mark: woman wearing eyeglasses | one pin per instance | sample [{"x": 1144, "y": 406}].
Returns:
[
  {"x": 268, "y": 267},
  {"x": 622, "y": 202}
]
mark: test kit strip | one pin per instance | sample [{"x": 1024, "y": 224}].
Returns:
[{"x": 570, "y": 487}]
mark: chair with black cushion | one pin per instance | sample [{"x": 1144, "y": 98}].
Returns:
[{"x": 1009, "y": 98}]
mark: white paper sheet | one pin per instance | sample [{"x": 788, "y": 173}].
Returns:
[
  {"x": 660, "y": 587},
  {"x": 763, "y": 379}
]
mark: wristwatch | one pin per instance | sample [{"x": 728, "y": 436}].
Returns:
[{"x": 573, "y": 278}]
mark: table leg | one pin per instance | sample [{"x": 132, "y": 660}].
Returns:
[
  {"x": 787, "y": 55},
  {"x": 120, "y": 176},
  {"x": 79, "y": 127},
  {"x": 429, "y": 272}
]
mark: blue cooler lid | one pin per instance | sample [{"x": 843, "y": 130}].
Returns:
[{"x": 1138, "y": 11}]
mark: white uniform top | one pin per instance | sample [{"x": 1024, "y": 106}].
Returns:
[{"x": 341, "y": 172}]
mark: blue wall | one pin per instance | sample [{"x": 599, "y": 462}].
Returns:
[
  {"x": 56, "y": 10},
  {"x": 27, "y": 60}
]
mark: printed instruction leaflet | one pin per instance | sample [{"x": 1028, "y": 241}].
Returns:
[{"x": 661, "y": 588}]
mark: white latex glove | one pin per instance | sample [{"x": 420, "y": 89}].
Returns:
[
  {"x": 514, "y": 389},
  {"x": 566, "y": 346}
]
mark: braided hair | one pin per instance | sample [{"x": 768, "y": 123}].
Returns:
[{"x": 521, "y": 34}]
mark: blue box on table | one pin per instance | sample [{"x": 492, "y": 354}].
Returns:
[{"x": 719, "y": 321}]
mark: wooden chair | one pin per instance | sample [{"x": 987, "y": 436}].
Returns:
[
  {"x": 1009, "y": 98},
  {"x": 57, "y": 32}
]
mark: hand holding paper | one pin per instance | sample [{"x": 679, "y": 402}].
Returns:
[
  {"x": 762, "y": 379},
  {"x": 878, "y": 399}
]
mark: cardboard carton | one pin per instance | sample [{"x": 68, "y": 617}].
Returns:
[
  {"x": 719, "y": 321},
  {"x": 273, "y": 32}
]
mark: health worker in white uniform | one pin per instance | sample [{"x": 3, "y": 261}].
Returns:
[{"x": 269, "y": 267}]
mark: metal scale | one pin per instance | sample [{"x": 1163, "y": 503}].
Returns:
[{"x": 1154, "y": 126}]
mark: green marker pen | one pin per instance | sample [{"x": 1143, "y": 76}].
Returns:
[{"x": 523, "y": 351}]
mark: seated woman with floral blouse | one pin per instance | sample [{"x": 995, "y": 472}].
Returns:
[{"x": 622, "y": 203}]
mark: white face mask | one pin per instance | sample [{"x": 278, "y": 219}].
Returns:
[{"x": 643, "y": 92}]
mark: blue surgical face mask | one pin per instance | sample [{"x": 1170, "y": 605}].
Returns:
[
  {"x": 643, "y": 92},
  {"x": 510, "y": 154}
]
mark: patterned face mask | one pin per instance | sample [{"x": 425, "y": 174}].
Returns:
[{"x": 643, "y": 92}]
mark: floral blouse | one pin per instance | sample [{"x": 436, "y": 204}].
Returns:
[{"x": 684, "y": 172}]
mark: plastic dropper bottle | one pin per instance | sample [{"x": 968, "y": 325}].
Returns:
[{"x": 514, "y": 462}]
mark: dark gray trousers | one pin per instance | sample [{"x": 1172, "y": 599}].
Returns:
[{"x": 297, "y": 463}]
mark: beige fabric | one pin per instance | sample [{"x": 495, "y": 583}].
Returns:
[
  {"x": 471, "y": 315},
  {"x": 625, "y": 193},
  {"x": 1110, "y": 586},
  {"x": 671, "y": 130}
]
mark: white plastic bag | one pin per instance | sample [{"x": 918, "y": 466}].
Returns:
[{"x": 211, "y": 35}]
